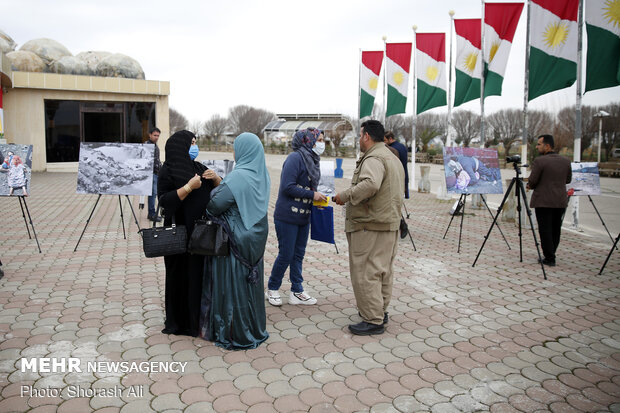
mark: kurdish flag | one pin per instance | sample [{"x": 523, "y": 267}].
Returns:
[
  {"x": 468, "y": 65},
  {"x": 431, "y": 70},
  {"x": 603, "y": 58},
  {"x": 369, "y": 80},
  {"x": 500, "y": 24},
  {"x": 397, "y": 71},
  {"x": 553, "y": 45}
]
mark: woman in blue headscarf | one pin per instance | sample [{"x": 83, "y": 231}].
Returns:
[
  {"x": 233, "y": 310},
  {"x": 299, "y": 181}
]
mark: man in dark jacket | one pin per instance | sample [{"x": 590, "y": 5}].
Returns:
[
  {"x": 550, "y": 174},
  {"x": 402, "y": 155},
  {"x": 153, "y": 138}
]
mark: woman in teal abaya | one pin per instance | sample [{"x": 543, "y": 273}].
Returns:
[{"x": 233, "y": 307}]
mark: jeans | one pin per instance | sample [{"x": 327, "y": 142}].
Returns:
[
  {"x": 152, "y": 198},
  {"x": 549, "y": 228},
  {"x": 292, "y": 240}
]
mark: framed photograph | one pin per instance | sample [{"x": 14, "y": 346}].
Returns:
[
  {"x": 585, "y": 180},
  {"x": 111, "y": 168},
  {"x": 472, "y": 170},
  {"x": 15, "y": 169},
  {"x": 327, "y": 184},
  {"x": 221, "y": 167}
]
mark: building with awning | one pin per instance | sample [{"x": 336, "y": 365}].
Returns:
[{"x": 282, "y": 129}]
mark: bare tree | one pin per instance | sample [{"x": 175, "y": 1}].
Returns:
[
  {"x": 245, "y": 118},
  {"x": 177, "y": 121},
  {"x": 611, "y": 128},
  {"x": 429, "y": 126},
  {"x": 506, "y": 126},
  {"x": 401, "y": 126},
  {"x": 466, "y": 124},
  {"x": 215, "y": 127},
  {"x": 196, "y": 127},
  {"x": 565, "y": 128}
]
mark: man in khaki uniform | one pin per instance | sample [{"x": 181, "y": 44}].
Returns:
[{"x": 372, "y": 221}]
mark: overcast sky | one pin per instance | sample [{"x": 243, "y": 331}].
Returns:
[{"x": 283, "y": 56}]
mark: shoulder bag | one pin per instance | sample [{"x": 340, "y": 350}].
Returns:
[
  {"x": 208, "y": 238},
  {"x": 163, "y": 241}
]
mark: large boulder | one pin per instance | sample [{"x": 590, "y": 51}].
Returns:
[
  {"x": 6, "y": 43},
  {"x": 23, "y": 61},
  {"x": 92, "y": 59},
  {"x": 119, "y": 65},
  {"x": 69, "y": 65},
  {"x": 47, "y": 49}
]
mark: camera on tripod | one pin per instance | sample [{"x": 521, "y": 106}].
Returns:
[{"x": 513, "y": 159}]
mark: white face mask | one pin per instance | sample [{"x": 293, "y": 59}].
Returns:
[{"x": 319, "y": 148}]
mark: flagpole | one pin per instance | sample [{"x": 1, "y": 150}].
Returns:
[
  {"x": 526, "y": 87},
  {"x": 415, "y": 118},
  {"x": 359, "y": 89},
  {"x": 384, "y": 79},
  {"x": 449, "y": 120},
  {"x": 482, "y": 139},
  {"x": 577, "y": 142}
]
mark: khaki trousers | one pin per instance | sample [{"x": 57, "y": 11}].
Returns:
[{"x": 371, "y": 260}]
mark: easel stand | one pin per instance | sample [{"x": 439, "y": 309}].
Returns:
[
  {"x": 615, "y": 246},
  {"x": 122, "y": 219},
  {"x": 603, "y": 222},
  {"x": 408, "y": 232},
  {"x": 461, "y": 207},
  {"x": 517, "y": 183},
  {"x": 22, "y": 206}
]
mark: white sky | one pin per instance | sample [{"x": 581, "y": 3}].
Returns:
[{"x": 283, "y": 56}]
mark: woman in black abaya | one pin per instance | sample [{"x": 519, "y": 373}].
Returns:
[{"x": 183, "y": 189}]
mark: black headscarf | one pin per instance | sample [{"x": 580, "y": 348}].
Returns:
[
  {"x": 303, "y": 142},
  {"x": 180, "y": 166}
]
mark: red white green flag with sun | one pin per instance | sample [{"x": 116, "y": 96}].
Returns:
[
  {"x": 430, "y": 62},
  {"x": 500, "y": 24},
  {"x": 603, "y": 59},
  {"x": 397, "y": 65},
  {"x": 468, "y": 66},
  {"x": 369, "y": 80},
  {"x": 553, "y": 45}
]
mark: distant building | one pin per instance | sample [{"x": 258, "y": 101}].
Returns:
[
  {"x": 283, "y": 129},
  {"x": 55, "y": 112}
]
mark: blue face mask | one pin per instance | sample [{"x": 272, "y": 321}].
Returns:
[{"x": 193, "y": 152}]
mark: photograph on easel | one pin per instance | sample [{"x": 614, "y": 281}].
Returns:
[
  {"x": 585, "y": 180},
  {"x": 15, "y": 169},
  {"x": 327, "y": 185},
  {"x": 111, "y": 168},
  {"x": 222, "y": 167},
  {"x": 472, "y": 170}
]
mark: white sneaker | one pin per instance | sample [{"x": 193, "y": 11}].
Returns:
[
  {"x": 301, "y": 298},
  {"x": 273, "y": 296}
]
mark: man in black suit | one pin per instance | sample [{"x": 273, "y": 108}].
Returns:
[{"x": 550, "y": 174}]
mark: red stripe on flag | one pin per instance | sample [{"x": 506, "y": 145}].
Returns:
[
  {"x": 469, "y": 29},
  {"x": 564, "y": 9},
  {"x": 433, "y": 44},
  {"x": 503, "y": 17},
  {"x": 399, "y": 53},
  {"x": 373, "y": 60}
]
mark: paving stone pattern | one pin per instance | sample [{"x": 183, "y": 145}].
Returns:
[{"x": 496, "y": 337}]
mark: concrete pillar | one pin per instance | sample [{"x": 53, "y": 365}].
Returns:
[
  {"x": 424, "y": 184},
  {"x": 509, "y": 211},
  {"x": 476, "y": 202}
]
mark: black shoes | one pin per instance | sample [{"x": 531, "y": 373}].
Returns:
[
  {"x": 366, "y": 329},
  {"x": 545, "y": 261},
  {"x": 152, "y": 218}
]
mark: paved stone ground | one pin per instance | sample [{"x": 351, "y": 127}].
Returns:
[{"x": 496, "y": 337}]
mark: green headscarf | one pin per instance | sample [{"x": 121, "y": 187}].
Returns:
[{"x": 249, "y": 182}]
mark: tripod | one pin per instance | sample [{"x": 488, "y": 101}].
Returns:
[
  {"x": 122, "y": 219},
  {"x": 609, "y": 255},
  {"x": 22, "y": 206},
  {"x": 517, "y": 182},
  {"x": 460, "y": 207}
]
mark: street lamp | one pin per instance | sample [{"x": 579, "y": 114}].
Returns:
[{"x": 600, "y": 115}]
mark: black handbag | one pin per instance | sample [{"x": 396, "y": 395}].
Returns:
[
  {"x": 163, "y": 241},
  {"x": 208, "y": 238}
]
